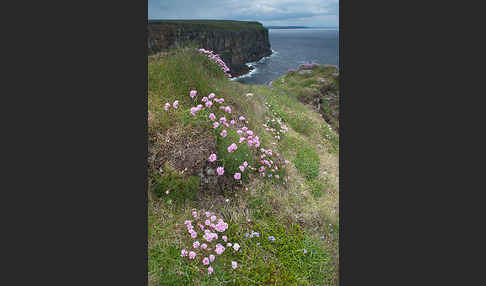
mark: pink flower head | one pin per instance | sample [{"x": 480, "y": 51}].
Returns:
[
  {"x": 232, "y": 147},
  {"x": 223, "y": 133},
  {"x": 167, "y": 106},
  {"x": 215, "y": 124},
  {"x": 209, "y": 104},
  {"x": 219, "y": 249},
  {"x": 187, "y": 223},
  {"x": 229, "y": 244},
  {"x": 234, "y": 264},
  {"x": 222, "y": 119},
  {"x": 236, "y": 246},
  {"x": 244, "y": 128},
  {"x": 204, "y": 99},
  {"x": 207, "y": 222},
  {"x": 205, "y": 261},
  {"x": 242, "y": 118},
  {"x": 210, "y": 270},
  {"x": 184, "y": 253},
  {"x": 213, "y": 218},
  {"x": 211, "y": 95},
  {"x": 192, "y": 254},
  {"x": 211, "y": 258},
  {"x": 239, "y": 131},
  {"x": 228, "y": 109},
  {"x": 196, "y": 244},
  {"x": 176, "y": 104},
  {"x": 194, "y": 214},
  {"x": 242, "y": 168},
  {"x": 232, "y": 122},
  {"x": 277, "y": 177},
  {"x": 193, "y": 93},
  {"x": 242, "y": 139},
  {"x": 220, "y": 170},
  {"x": 204, "y": 246},
  {"x": 249, "y": 132},
  {"x": 199, "y": 106},
  {"x": 225, "y": 238},
  {"x": 245, "y": 164},
  {"x": 212, "y": 157},
  {"x": 194, "y": 110},
  {"x": 208, "y": 214},
  {"x": 212, "y": 116},
  {"x": 237, "y": 176}
]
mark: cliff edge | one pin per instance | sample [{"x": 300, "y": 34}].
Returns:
[{"x": 237, "y": 42}]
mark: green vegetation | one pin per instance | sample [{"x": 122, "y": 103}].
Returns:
[
  {"x": 196, "y": 25},
  {"x": 300, "y": 212}
]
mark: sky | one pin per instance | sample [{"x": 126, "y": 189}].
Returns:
[{"x": 313, "y": 13}]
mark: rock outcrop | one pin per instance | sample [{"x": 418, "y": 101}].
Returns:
[{"x": 237, "y": 42}]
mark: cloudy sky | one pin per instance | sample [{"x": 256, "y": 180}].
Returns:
[{"x": 268, "y": 12}]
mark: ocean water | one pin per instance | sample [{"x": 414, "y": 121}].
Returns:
[{"x": 292, "y": 47}]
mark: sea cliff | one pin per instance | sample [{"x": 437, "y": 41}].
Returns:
[{"x": 237, "y": 42}]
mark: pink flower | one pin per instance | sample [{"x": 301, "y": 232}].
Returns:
[
  {"x": 205, "y": 261},
  {"x": 184, "y": 253},
  {"x": 204, "y": 246},
  {"x": 242, "y": 139},
  {"x": 187, "y": 223},
  {"x": 225, "y": 238},
  {"x": 212, "y": 116},
  {"x": 215, "y": 124},
  {"x": 242, "y": 118},
  {"x": 244, "y": 128},
  {"x": 194, "y": 110},
  {"x": 228, "y": 109},
  {"x": 199, "y": 106},
  {"x": 222, "y": 119},
  {"x": 210, "y": 270},
  {"x": 232, "y": 147},
  {"x": 239, "y": 131},
  {"x": 193, "y": 93},
  {"x": 196, "y": 244},
  {"x": 167, "y": 106},
  {"x": 236, "y": 246},
  {"x": 193, "y": 234},
  {"x": 209, "y": 104},
  {"x": 220, "y": 170},
  {"x": 176, "y": 104},
  {"x": 245, "y": 164},
  {"x": 211, "y": 258},
  {"x": 194, "y": 214},
  {"x": 207, "y": 222},
  {"x": 212, "y": 158},
  {"x": 213, "y": 218},
  {"x": 204, "y": 99},
  {"x": 242, "y": 168},
  {"x": 219, "y": 249},
  {"x": 249, "y": 132},
  {"x": 237, "y": 176},
  {"x": 208, "y": 214},
  {"x": 223, "y": 133},
  {"x": 232, "y": 122},
  {"x": 192, "y": 254},
  {"x": 211, "y": 95},
  {"x": 229, "y": 244},
  {"x": 234, "y": 264},
  {"x": 277, "y": 177}
]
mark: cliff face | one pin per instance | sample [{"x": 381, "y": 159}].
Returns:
[{"x": 236, "y": 42}]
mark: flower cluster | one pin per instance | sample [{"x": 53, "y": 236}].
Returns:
[
  {"x": 175, "y": 105},
  {"x": 203, "y": 252},
  {"x": 217, "y": 60},
  {"x": 276, "y": 127}
]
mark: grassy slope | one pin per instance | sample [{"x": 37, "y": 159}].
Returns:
[
  {"x": 213, "y": 24},
  {"x": 300, "y": 214}
]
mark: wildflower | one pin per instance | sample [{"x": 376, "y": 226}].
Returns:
[
  {"x": 207, "y": 222},
  {"x": 184, "y": 253},
  {"x": 237, "y": 176},
  {"x": 242, "y": 118},
  {"x": 219, "y": 249},
  {"x": 213, "y": 218},
  {"x": 228, "y": 109},
  {"x": 176, "y": 104},
  {"x": 287, "y": 161},
  {"x": 232, "y": 122},
  {"x": 194, "y": 110},
  {"x": 212, "y": 157},
  {"x": 204, "y": 246},
  {"x": 234, "y": 264},
  {"x": 167, "y": 192},
  {"x": 229, "y": 244},
  {"x": 199, "y": 107},
  {"x": 271, "y": 238},
  {"x": 211, "y": 258},
  {"x": 167, "y": 106},
  {"x": 223, "y": 133},
  {"x": 210, "y": 270},
  {"x": 205, "y": 261},
  {"x": 277, "y": 177},
  {"x": 209, "y": 104},
  {"x": 204, "y": 99},
  {"x": 222, "y": 119},
  {"x": 208, "y": 214},
  {"x": 193, "y": 93},
  {"x": 220, "y": 170},
  {"x": 242, "y": 139},
  {"x": 236, "y": 246},
  {"x": 211, "y": 95},
  {"x": 244, "y": 128},
  {"x": 305, "y": 251},
  {"x": 196, "y": 244},
  {"x": 193, "y": 234},
  {"x": 194, "y": 214},
  {"x": 239, "y": 131},
  {"x": 212, "y": 116},
  {"x": 192, "y": 254},
  {"x": 232, "y": 147},
  {"x": 258, "y": 243},
  {"x": 249, "y": 132},
  {"x": 242, "y": 168},
  {"x": 225, "y": 238},
  {"x": 215, "y": 125}
]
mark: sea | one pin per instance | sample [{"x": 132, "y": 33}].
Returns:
[{"x": 292, "y": 47}]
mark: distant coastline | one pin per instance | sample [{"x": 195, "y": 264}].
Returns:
[{"x": 297, "y": 27}]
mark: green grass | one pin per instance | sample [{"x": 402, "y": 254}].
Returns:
[
  {"x": 180, "y": 188},
  {"x": 196, "y": 25},
  {"x": 307, "y": 162},
  {"x": 232, "y": 161}
]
